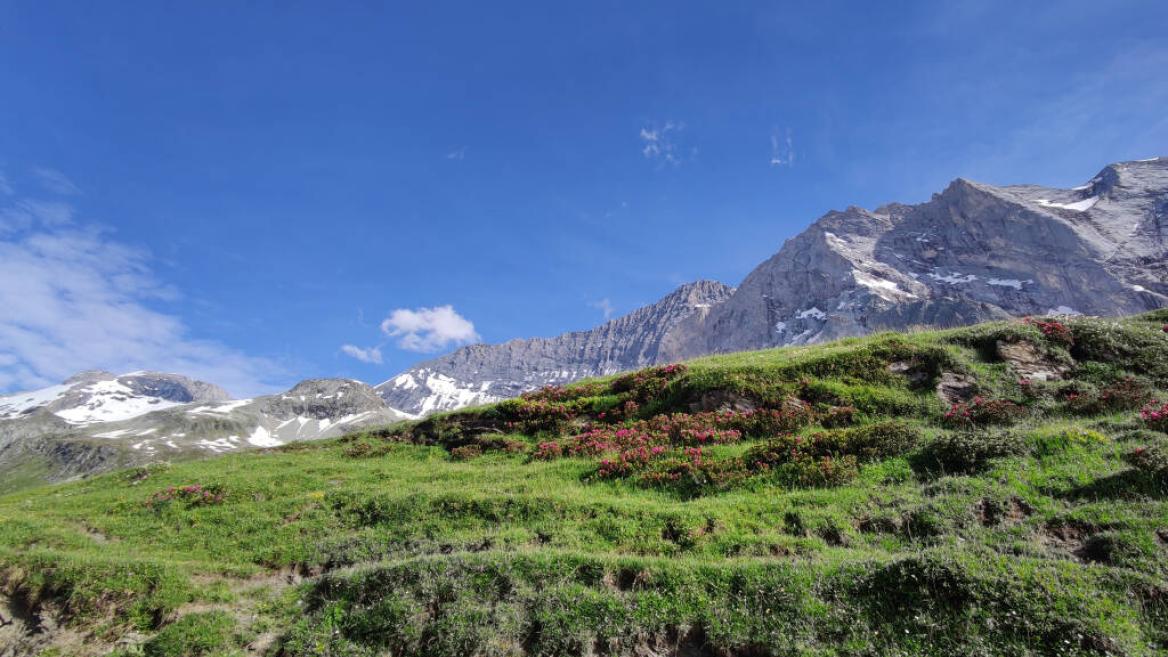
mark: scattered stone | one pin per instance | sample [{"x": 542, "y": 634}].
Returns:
[
  {"x": 1030, "y": 361},
  {"x": 953, "y": 388}
]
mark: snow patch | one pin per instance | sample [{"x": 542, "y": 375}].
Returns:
[
  {"x": 13, "y": 405},
  {"x": 878, "y": 285},
  {"x": 111, "y": 401},
  {"x": 1009, "y": 282},
  {"x": 1077, "y": 206},
  {"x": 1063, "y": 310},
  {"x": 812, "y": 312},
  {"x": 952, "y": 278},
  {"x": 222, "y": 408},
  {"x": 262, "y": 438}
]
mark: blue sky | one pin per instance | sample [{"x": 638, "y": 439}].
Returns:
[{"x": 237, "y": 190}]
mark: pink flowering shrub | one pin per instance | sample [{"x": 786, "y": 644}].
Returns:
[
  {"x": 982, "y": 411},
  {"x": 547, "y": 451},
  {"x": 1123, "y": 395},
  {"x": 191, "y": 496},
  {"x": 1053, "y": 330},
  {"x": 647, "y": 384},
  {"x": 1155, "y": 415}
]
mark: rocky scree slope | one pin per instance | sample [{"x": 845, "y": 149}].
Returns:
[{"x": 96, "y": 421}]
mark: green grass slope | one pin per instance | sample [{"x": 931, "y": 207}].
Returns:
[{"x": 817, "y": 500}]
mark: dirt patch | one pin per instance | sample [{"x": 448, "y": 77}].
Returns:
[
  {"x": 991, "y": 512},
  {"x": 1071, "y": 539},
  {"x": 686, "y": 642},
  {"x": 27, "y": 630}
]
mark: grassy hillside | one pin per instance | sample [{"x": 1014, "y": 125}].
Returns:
[{"x": 805, "y": 501}]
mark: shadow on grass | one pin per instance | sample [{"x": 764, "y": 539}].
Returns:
[{"x": 1126, "y": 485}]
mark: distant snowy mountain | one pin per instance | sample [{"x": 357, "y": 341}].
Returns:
[
  {"x": 481, "y": 373},
  {"x": 98, "y": 420}
]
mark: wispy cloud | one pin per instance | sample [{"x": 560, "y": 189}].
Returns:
[
  {"x": 5, "y": 186},
  {"x": 457, "y": 154},
  {"x": 365, "y": 355},
  {"x": 782, "y": 148},
  {"x": 604, "y": 306},
  {"x": 75, "y": 298},
  {"x": 428, "y": 329},
  {"x": 664, "y": 144},
  {"x": 55, "y": 181},
  {"x": 23, "y": 214}
]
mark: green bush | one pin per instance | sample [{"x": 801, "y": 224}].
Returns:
[
  {"x": 1050, "y": 443},
  {"x": 968, "y": 452},
  {"x": 193, "y": 635}
]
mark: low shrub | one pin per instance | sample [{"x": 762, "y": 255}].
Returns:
[
  {"x": 838, "y": 416},
  {"x": 1053, "y": 330},
  {"x": 190, "y": 496},
  {"x": 806, "y": 471},
  {"x": 362, "y": 448},
  {"x": 1126, "y": 394},
  {"x": 967, "y": 452},
  {"x": 547, "y": 451},
  {"x": 466, "y": 452},
  {"x": 205, "y": 633},
  {"x": 648, "y": 384},
  {"x": 982, "y": 412},
  {"x": 1151, "y": 460},
  {"x": 1155, "y": 416}
]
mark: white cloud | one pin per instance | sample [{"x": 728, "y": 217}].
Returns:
[
  {"x": 662, "y": 144},
  {"x": 604, "y": 306},
  {"x": 365, "y": 355},
  {"x": 782, "y": 149},
  {"x": 457, "y": 154},
  {"x": 74, "y": 299},
  {"x": 55, "y": 181},
  {"x": 428, "y": 329}
]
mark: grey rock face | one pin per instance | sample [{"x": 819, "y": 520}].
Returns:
[
  {"x": 974, "y": 252},
  {"x": 482, "y": 373}
]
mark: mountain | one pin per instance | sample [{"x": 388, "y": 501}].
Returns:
[
  {"x": 96, "y": 421},
  {"x": 973, "y": 252},
  {"x": 482, "y": 373}
]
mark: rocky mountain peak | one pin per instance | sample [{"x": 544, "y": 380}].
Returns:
[{"x": 483, "y": 373}]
